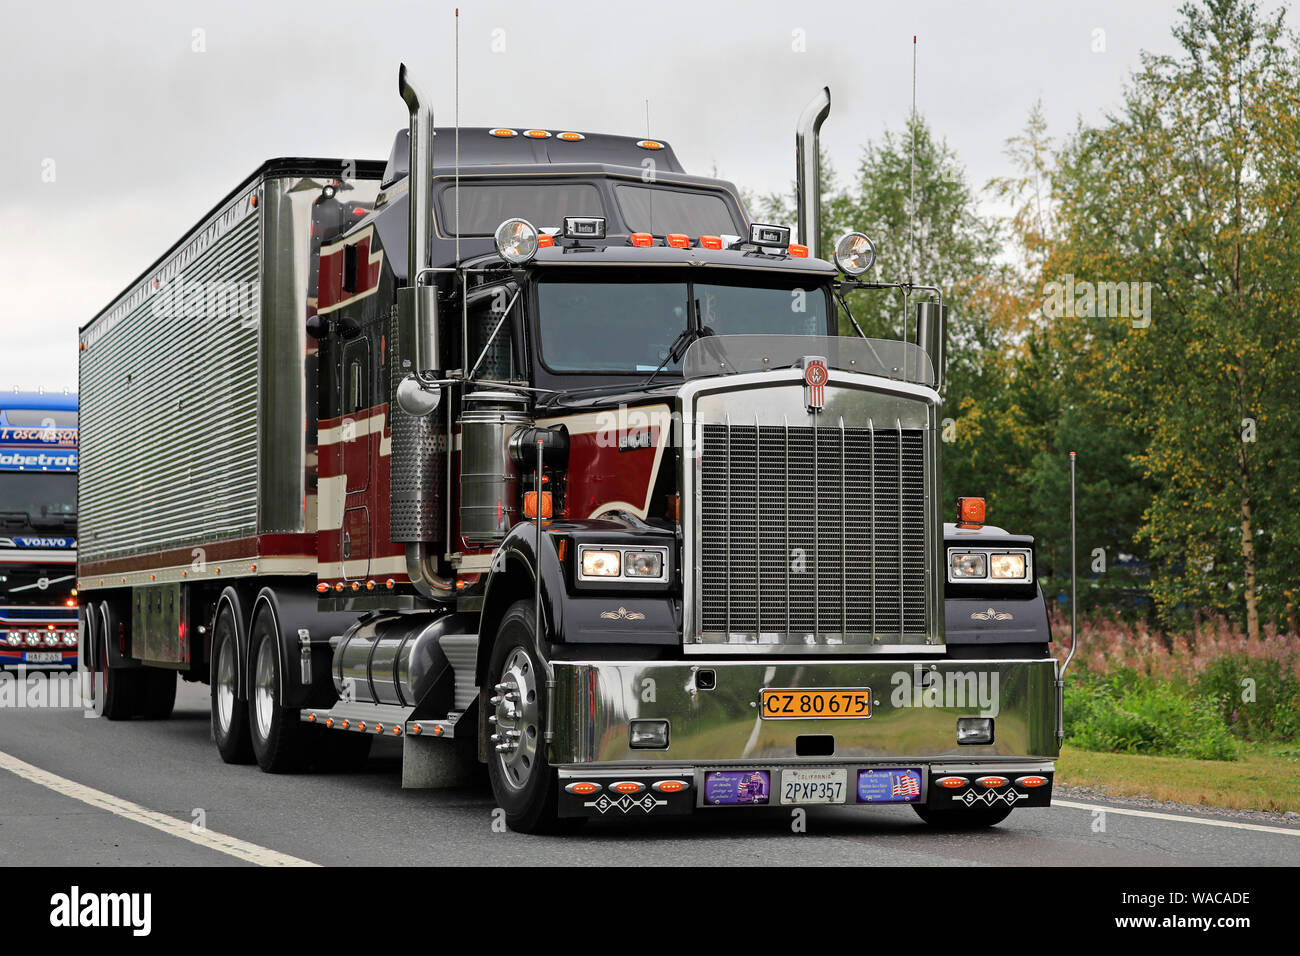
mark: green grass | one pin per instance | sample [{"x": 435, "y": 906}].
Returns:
[{"x": 1264, "y": 777}]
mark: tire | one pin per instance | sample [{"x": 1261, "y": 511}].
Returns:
[
  {"x": 114, "y": 691},
  {"x": 280, "y": 741},
  {"x": 974, "y": 818},
  {"x": 157, "y": 693},
  {"x": 229, "y": 716},
  {"x": 523, "y": 782}
]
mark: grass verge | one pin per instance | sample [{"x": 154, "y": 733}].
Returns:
[{"x": 1265, "y": 777}]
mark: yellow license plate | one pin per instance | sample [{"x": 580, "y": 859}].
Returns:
[{"x": 802, "y": 704}]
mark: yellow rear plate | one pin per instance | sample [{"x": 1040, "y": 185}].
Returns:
[{"x": 820, "y": 704}]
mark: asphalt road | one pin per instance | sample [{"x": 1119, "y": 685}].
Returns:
[{"x": 87, "y": 792}]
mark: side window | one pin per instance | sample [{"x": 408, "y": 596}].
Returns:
[{"x": 485, "y": 312}]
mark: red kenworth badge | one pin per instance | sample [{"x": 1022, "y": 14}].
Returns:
[{"x": 815, "y": 378}]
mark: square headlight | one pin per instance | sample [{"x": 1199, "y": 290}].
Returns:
[
  {"x": 643, "y": 564},
  {"x": 968, "y": 566},
  {"x": 601, "y": 564},
  {"x": 1010, "y": 566}
]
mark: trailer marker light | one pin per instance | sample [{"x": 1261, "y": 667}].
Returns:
[
  {"x": 570, "y": 137},
  {"x": 677, "y": 240},
  {"x": 627, "y": 786},
  {"x": 415, "y": 728},
  {"x": 710, "y": 242},
  {"x": 649, "y": 144},
  {"x": 503, "y": 132},
  {"x": 322, "y": 588},
  {"x": 338, "y": 586},
  {"x": 951, "y": 783},
  {"x": 991, "y": 781},
  {"x": 437, "y": 730},
  {"x": 311, "y": 718},
  {"x": 379, "y": 728},
  {"x": 396, "y": 729},
  {"x": 346, "y": 724},
  {"x": 537, "y": 134},
  {"x": 361, "y": 725},
  {"x": 356, "y": 586},
  {"x": 1032, "y": 780},
  {"x": 798, "y": 251},
  {"x": 370, "y": 585},
  {"x": 389, "y": 584},
  {"x": 252, "y": 567},
  {"x": 329, "y": 721}
]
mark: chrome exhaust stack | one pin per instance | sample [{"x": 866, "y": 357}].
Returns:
[
  {"x": 417, "y": 303},
  {"x": 932, "y": 336},
  {"x": 808, "y": 182}
]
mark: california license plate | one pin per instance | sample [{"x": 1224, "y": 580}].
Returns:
[
  {"x": 43, "y": 657},
  {"x": 797, "y": 704},
  {"x": 814, "y": 786}
]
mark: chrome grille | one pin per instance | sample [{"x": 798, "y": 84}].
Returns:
[{"x": 812, "y": 534}]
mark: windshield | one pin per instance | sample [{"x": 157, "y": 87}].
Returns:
[
  {"x": 37, "y": 500},
  {"x": 617, "y": 326},
  {"x": 36, "y": 584}
]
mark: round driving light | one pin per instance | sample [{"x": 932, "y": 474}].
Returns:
[
  {"x": 516, "y": 240},
  {"x": 855, "y": 254}
]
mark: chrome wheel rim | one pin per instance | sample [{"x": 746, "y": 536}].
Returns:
[
  {"x": 225, "y": 686},
  {"x": 264, "y": 689},
  {"x": 516, "y": 725}
]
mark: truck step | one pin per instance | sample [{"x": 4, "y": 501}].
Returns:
[{"x": 381, "y": 720}]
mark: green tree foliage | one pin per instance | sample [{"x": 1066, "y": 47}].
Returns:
[{"x": 1194, "y": 187}]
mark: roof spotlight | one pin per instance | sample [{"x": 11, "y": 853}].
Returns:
[
  {"x": 855, "y": 254},
  {"x": 516, "y": 240}
]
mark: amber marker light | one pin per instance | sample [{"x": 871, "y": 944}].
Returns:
[
  {"x": 798, "y": 251},
  {"x": 346, "y": 724},
  {"x": 502, "y": 132},
  {"x": 970, "y": 511},
  {"x": 437, "y": 730},
  {"x": 530, "y": 504},
  {"x": 389, "y": 584},
  {"x": 415, "y": 729},
  {"x": 545, "y": 241},
  {"x": 322, "y": 588},
  {"x": 537, "y": 134},
  {"x": 992, "y": 781},
  {"x": 951, "y": 783},
  {"x": 1033, "y": 780},
  {"x": 677, "y": 240},
  {"x": 649, "y": 144},
  {"x": 710, "y": 242},
  {"x": 569, "y": 137},
  {"x": 641, "y": 239}
]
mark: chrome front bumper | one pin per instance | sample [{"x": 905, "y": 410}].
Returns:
[
  {"x": 914, "y": 713},
  {"x": 719, "y": 733}
]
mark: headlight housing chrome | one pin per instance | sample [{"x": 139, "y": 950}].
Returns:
[
  {"x": 631, "y": 564},
  {"x": 990, "y": 566}
]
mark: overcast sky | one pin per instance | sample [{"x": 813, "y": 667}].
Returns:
[{"x": 144, "y": 115}]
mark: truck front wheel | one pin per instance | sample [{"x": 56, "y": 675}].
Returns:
[
  {"x": 973, "y": 818},
  {"x": 523, "y": 782}
]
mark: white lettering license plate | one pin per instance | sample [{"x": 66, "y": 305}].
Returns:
[{"x": 813, "y": 786}]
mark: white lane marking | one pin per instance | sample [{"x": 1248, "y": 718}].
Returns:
[
  {"x": 1173, "y": 816},
  {"x": 248, "y": 852}
]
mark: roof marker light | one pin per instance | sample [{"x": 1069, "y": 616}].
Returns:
[
  {"x": 641, "y": 239},
  {"x": 649, "y": 144},
  {"x": 710, "y": 242},
  {"x": 501, "y": 131},
  {"x": 537, "y": 134},
  {"x": 798, "y": 251},
  {"x": 569, "y": 137},
  {"x": 677, "y": 240}
]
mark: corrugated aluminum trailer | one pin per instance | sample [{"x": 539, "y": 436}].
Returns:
[{"x": 199, "y": 400}]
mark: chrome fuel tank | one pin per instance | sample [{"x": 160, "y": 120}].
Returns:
[{"x": 393, "y": 659}]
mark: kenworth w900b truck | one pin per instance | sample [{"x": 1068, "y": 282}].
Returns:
[
  {"x": 38, "y": 530},
  {"x": 530, "y": 448}
]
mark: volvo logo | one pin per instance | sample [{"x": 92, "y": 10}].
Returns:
[{"x": 815, "y": 377}]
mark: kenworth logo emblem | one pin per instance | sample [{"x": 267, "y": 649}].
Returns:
[{"x": 815, "y": 377}]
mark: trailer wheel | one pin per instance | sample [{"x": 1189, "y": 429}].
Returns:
[
  {"x": 114, "y": 690},
  {"x": 974, "y": 818},
  {"x": 524, "y": 784},
  {"x": 229, "y": 718},
  {"x": 279, "y": 739},
  {"x": 157, "y": 693}
]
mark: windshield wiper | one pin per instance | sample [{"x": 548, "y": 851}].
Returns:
[{"x": 677, "y": 350}]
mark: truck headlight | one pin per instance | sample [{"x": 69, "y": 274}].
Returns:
[
  {"x": 516, "y": 240},
  {"x": 1008, "y": 566},
  {"x": 969, "y": 565},
  {"x": 601, "y": 564},
  {"x": 643, "y": 564}
]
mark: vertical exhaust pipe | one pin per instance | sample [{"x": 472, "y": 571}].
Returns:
[
  {"x": 418, "y": 304},
  {"x": 808, "y": 180}
]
